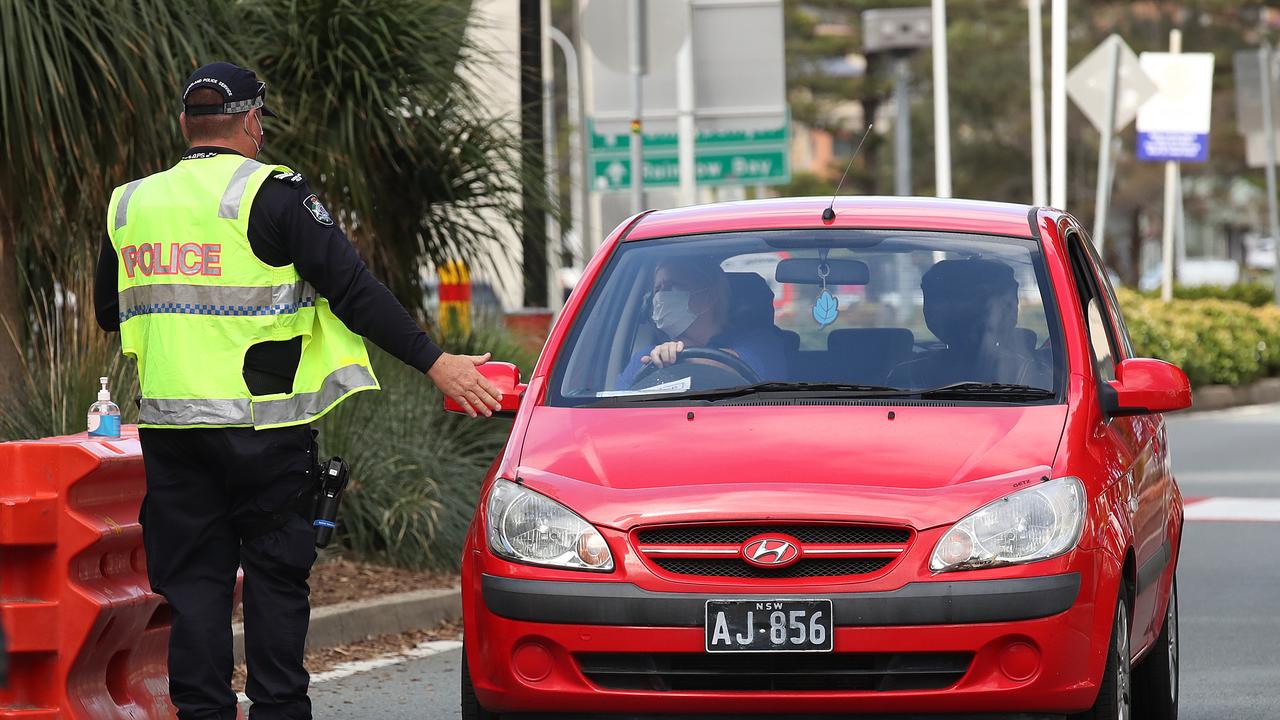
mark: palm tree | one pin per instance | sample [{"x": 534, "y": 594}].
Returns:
[
  {"x": 86, "y": 102},
  {"x": 379, "y": 116}
]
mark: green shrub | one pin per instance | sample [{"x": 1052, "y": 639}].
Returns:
[
  {"x": 1214, "y": 341},
  {"x": 415, "y": 470},
  {"x": 1254, "y": 294}
]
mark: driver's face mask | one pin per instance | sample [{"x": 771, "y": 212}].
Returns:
[{"x": 671, "y": 312}]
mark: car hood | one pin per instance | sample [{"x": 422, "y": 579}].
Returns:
[{"x": 916, "y": 465}]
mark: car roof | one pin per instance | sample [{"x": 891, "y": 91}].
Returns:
[{"x": 896, "y": 213}]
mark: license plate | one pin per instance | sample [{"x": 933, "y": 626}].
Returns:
[{"x": 769, "y": 626}]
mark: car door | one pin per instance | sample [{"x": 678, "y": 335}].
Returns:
[
  {"x": 1123, "y": 445},
  {"x": 1152, "y": 484}
]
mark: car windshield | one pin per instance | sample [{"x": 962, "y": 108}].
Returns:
[{"x": 827, "y": 313}]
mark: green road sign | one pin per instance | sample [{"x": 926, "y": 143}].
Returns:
[{"x": 721, "y": 158}]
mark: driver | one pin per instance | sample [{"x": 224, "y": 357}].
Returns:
[
  {"x": 972, "y": 306},
  {"x": 691, "y": 306}
]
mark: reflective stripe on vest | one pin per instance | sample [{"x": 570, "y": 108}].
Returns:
[
  {"x": 122, "y": 209},
  {"x": 169, "y": 411},
  {"x": 242, "y": 411},
  {"x": 215, "y": 299},
  {"x": 230, "y": 205},
  {"x": 337, "y": 385}
]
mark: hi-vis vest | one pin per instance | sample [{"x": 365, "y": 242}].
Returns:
[{"x": 194, "y": 298}]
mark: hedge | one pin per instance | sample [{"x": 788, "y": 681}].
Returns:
[
  {"x": 1252, "y": 293},
  {"x": 1217, "y": 342}
]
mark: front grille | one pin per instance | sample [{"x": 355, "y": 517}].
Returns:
[
  {"x": 881, "y": 672},
  {"x": 736, "y": 568},
  {"x": 737, "y": 534}
]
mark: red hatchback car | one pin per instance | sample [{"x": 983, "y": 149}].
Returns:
[{"x": 896, "y": 461}]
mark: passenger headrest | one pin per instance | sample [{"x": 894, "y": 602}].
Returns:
[
  {"x": 970, "y": 302},
  {"x": 963, "y": 278},
  {"x": 750, "y": 300}
]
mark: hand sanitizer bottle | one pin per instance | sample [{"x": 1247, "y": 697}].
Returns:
[{"x": 104, "y": 415}]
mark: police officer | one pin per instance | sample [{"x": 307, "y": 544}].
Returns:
[{"x": 243, "y": 304}]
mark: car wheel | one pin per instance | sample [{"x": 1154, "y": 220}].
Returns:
[
  {"x": 471, "y": 708},
  {"x": 1115, "y": 699},
  {"x": 1155, "y": 680}
]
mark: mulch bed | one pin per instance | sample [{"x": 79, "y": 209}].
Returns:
[{"x": 337, "y": 581}]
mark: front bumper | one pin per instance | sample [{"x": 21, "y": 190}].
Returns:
[
  {"x": 1032, "y": 645},
  {"x": 918, "y": 603}
]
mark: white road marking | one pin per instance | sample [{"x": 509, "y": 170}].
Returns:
[
  {"x": 1242, "y": 411},
  {"x": 1225, "y": 509},
  {"x": 1227, "y": 477},
  {"x": 355, "y": 667}
]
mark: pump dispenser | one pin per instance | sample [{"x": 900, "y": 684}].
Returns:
[{"x": 104, "y": 415}]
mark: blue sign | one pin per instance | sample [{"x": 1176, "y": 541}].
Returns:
[{"x": 1175, "y": 146}]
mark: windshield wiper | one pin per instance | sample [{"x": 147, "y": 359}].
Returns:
[
  {"x": 986, "y": 391},
  {"x": 822, "y": 389}
]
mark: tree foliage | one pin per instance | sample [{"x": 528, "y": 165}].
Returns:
[
  {"x": 376, "y": 112},
  {"x": 990, "y": 103}
]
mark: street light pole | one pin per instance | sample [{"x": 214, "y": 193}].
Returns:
[
  {"x": 902, "y": 124},
  {"x": 1035, "y": 62},
  {"x": 551, "y": 166},
  {"x": 636, "y": 48},
  {"x": 1172, "y": 185},
  {"x": 1101, "y": 201},
  {"x": 1058, "y": 105},
  {"x": 941, "y": 99},
  {"x": 577, "y": 142},
  {"x": 686, "y": 128},
  {"x": 1269, "y": 130}
]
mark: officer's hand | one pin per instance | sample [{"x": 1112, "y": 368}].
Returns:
[{"x": 457, "y": 377}]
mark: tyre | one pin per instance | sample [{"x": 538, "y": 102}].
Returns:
[
  {"x": 471, "y": 708},
  {"x": 1155, "y": 680},
  {"x": 1115, "y": 699}
]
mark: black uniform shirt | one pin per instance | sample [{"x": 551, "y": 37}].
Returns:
[{"x": 283, "y": 229}]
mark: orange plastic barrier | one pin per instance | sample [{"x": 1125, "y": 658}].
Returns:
[{"x": 87, "y": 638}]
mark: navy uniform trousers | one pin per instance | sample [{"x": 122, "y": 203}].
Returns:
[{"x": 210, "y": 493}]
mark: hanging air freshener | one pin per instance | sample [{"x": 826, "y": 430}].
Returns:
[{"x": 826, "y": 308}]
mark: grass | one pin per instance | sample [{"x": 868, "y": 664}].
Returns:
[{"x": 65, "y": 355}]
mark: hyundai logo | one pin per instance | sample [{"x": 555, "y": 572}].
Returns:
[{"x": 771, "y": 550}]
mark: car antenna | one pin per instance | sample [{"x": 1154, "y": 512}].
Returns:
[{"x": 829, "y": 213}]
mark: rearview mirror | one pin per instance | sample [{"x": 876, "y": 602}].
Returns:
[
  {"x": 812, "y": 271},
  {"x": 1144, "y": 386},
  {"x": 505, "y": 377}
]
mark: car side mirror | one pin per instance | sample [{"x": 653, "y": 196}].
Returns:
[
  {"x": 505, "y": 377},
  {"x": 1144, "y": 386}
]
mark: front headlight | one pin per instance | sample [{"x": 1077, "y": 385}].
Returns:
[
  {"x": 1033, "y": 524},
  {"x": 529, "y": 527}
]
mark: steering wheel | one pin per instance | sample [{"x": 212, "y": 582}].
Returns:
[{"x": 728, "y": 359}]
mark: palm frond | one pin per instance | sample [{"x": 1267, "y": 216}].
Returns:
[{"x": 379, "y": 115}]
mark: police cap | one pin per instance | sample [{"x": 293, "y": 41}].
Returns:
[{"x": 240, "y": 88}]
